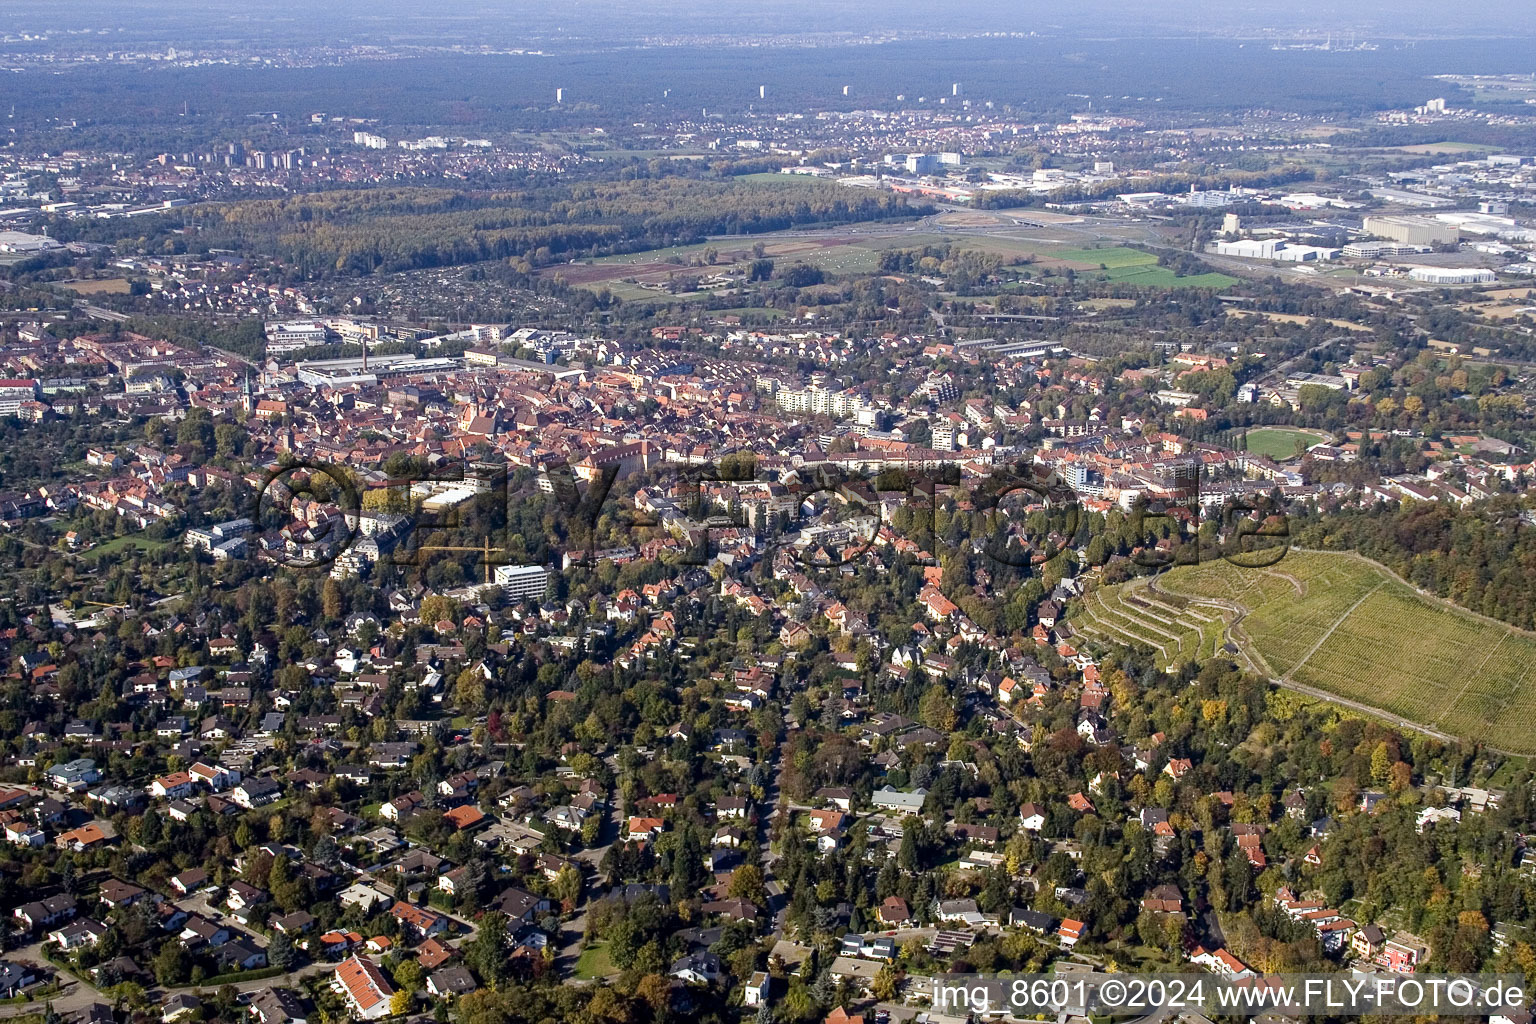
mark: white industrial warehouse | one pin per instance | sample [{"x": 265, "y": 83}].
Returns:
[{"x": 1451, "y": 275}]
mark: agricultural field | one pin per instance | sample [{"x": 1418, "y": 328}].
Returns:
[
  {"x": 106, "y": 286},
  {"x": 1279, "y": 443},
  {"x": 1132, "y": 266},
  {"x": 1296, "y": 318},
  {"x": 835, "y": 253},
  {"x": 1161, "y": 277},
  {"x": 856, "y": 249},
  {"x": 1111, "y": 258},
  {"x": 1435, "y": 148},
  {"x": 1343, "y": 625}
]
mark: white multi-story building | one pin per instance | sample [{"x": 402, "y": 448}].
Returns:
[
  {"x": 522, "y": 581},
  {"x": 295, "y": 337},
  {"x": 13, "y": 393},
  {"x": 940, "y": 387},
  {"x": 1377, "y": 250},
  {"x": 815, "y": 398}
]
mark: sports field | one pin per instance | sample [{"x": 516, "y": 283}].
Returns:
[
  {"x": 1280, "y": 442},
  {"x": 1340, "y": 624}
]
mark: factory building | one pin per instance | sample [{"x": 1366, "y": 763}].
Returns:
[
  {"x": 1378, "y": 250},
  {"x": 1413, "y": 230},
  {"x": 1451, "y": 275},
  {"x": 295, "y": 337},
  {"x": 25, "y": 244},
  {"x": 1273, "y": 249}
]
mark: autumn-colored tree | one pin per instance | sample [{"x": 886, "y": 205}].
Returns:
[
  {"x": 1345, "y": 794},
  {"x": 655, "y": 991},
  {"x": 567, "y": 887},
  {"x": 1381, "y": 764},
  {"x": 437, "y": 608},
  {"x": 747, "y": 884},
  {"x": 409, "y": 975},
  {"x": 332, "y": 601},
  {"x": 937, "y": 710},
  {"x": 469, "y": 690}
]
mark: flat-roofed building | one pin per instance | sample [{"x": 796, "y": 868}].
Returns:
[{"x": 520, "y": 581}]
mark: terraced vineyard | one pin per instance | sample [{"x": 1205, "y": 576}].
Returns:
[
  {"x": 1339, "y": 624},
  {"x": 1142, "y": 615}
]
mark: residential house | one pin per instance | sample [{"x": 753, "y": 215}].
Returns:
[
  {"x": 402, "y": 807},
  {"x": 1032, "y": 817},
  {"x": 278, "y": 1006},
  {"x": 1070, "y": 932},
  {"x": 894, "y": 912},
  {"x": 418, "y": 922},
  {"x": 888, "y": 798},
  {"x": 256, "y": 792},
  {"x": 14, "y": 977},
  {"x": 521, "y": 906},
  {"x": 118, "y": 894},
  {"x": 363, "y": 985},
  {"x": 181, "y": 1006},
  {"x": 451, "y": 982},
  {"x": 642, "y": 830},
  {"x": 171, "y": 787},
  {"x": 698, "y": 968},
  {"x": 189, "y": 881},
  {"x": 46, "y": 912},
  {"x": 74, "y": 775},
  {"x": 244, "y": 896},
  {"x": 201, "y": 933},
  {"x": 81, "y": 933}
]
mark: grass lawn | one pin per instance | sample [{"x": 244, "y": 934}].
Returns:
[
  {"x": 653, "y": 256},
  {"x": 1219, "y": 282},
  {"x": 1280, "y": 442},
  {"x": 1112, "y": 257},
  {"x": 1132, "y": 266},
  {"x": 837, "y": 259},
  {"x": 117, "y": 545},
  {"x": 632, "y": 292},
  {"x": 1153, "y": 276},
  {"x": 594, "y": 962},
  {"x": 1504, "y": 776}
]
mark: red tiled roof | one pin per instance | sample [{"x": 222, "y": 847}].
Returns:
[{"x": 365, "y": 984}]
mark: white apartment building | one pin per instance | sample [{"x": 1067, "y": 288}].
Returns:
[{"x": 522, "y": 581}]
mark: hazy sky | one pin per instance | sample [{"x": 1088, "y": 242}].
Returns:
[{"x": 235, "y": 20}]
